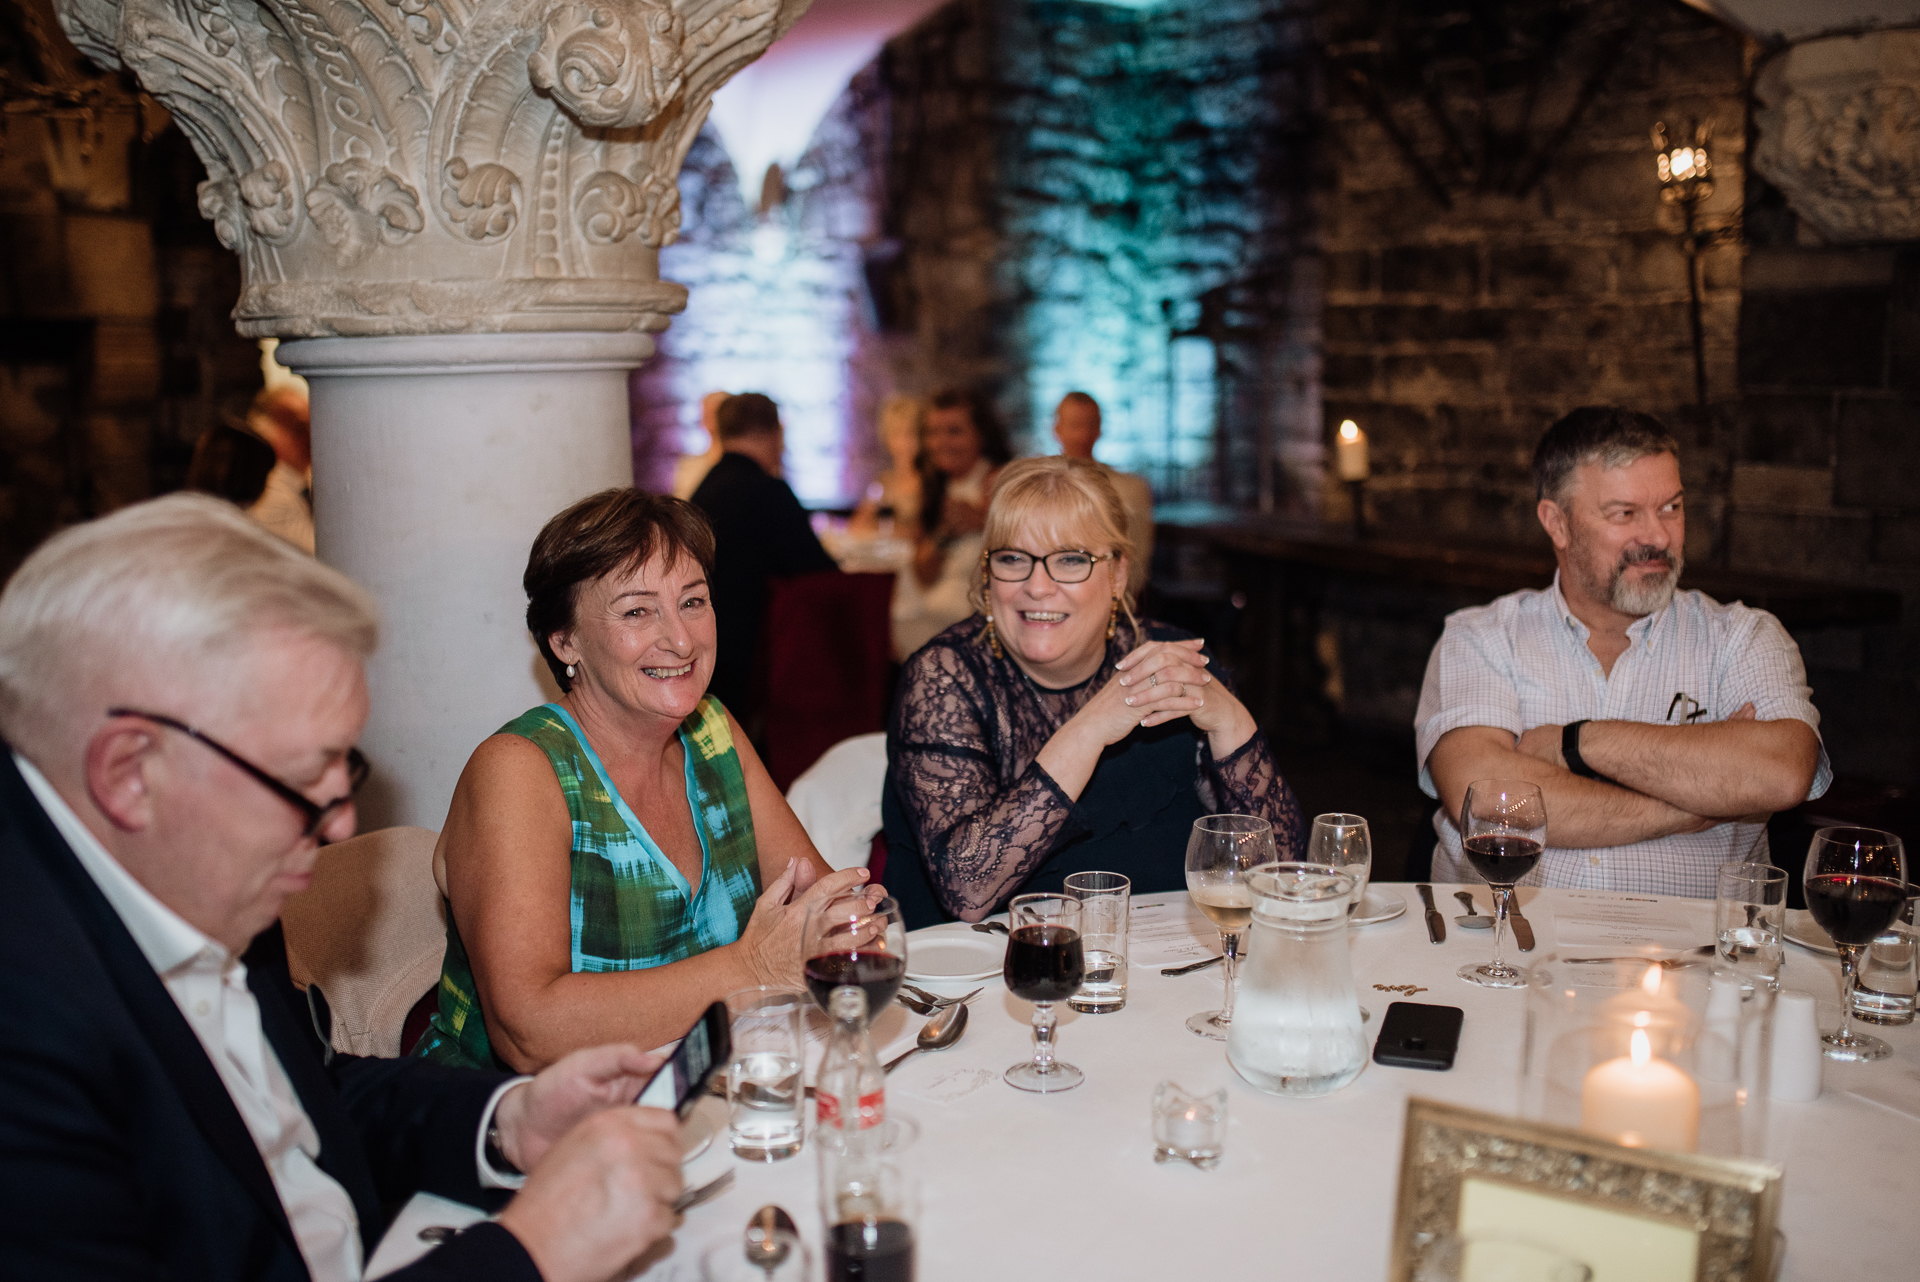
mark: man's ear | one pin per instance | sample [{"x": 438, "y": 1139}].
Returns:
[
  {"x": 120, "y": 756},
  {"x": 1554, "y": 518}
]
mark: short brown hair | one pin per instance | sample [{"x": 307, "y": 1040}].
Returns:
[
  {"x": 746, "y": 415},
  {"x": 1605, "y": 434},
  {"x": 613, "y": 532}
]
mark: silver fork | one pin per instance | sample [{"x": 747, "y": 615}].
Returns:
[
  {"x": 936, "y": 1000},
  {"x": 705, "y": 1193}
]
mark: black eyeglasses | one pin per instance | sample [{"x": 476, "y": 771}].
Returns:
[
  {"x": 1011, "y": 565},
  {"x": 317, "y": 813}
]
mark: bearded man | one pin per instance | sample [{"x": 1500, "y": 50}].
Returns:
[{"x": 1661, "y": 726}]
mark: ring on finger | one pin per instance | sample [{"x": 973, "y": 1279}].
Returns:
[{"x": 1154, "y": 679}]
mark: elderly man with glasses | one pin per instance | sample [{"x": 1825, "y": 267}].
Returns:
[{"x": 180, "y": 693}]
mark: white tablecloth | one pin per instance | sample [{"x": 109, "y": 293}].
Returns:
[{"x": 1013, "y": 1183}]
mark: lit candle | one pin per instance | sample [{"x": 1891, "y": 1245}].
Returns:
[
  {"x": 1350, "y": 452},
  {"x": 1641, "y": 1101}
]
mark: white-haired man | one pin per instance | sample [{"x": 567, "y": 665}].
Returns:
[
  {"x": 180, "y": 692},
  {"x": 1662, "y": 727}
]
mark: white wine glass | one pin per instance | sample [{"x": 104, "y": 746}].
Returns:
[{"x": 1222, "y": 852}]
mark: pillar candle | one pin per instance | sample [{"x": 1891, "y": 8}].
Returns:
[
  {"x": 1641, "y": 1101},
  {"x": 1350, "y": 452}
]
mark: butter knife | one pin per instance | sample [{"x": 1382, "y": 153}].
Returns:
[
  {"x": 1522, "y": 928},
  {"x": 1436, "y": 924}
]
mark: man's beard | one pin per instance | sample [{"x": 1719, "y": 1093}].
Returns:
[{"x": 1638, "y": 595}]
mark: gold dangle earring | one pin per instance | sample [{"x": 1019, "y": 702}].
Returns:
[
  {"x": 1113, "y": 617},
  {"x": 986, "y": 598}
]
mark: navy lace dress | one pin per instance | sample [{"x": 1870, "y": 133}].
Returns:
[{"x": 965, "y": 795}]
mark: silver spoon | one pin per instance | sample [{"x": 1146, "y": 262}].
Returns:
[
  {"x": 1473, "y": 920},
  {"x": 991, "y": 927},
  {"x": 769, "y": 1238},
  {"x": 938, "y": 1033}
]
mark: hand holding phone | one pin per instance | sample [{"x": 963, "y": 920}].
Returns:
[{"x": 679, "y": 1081}]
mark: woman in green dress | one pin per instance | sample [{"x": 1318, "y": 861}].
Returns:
[{"x": 618, "y": 859}]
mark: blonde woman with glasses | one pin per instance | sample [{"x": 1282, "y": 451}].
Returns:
[{"x": 1054, "y": 732}]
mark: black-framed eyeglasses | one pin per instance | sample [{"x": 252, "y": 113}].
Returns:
[
  {"x": 1011, "y": 565},
  {"x": 317, "y": 812}
]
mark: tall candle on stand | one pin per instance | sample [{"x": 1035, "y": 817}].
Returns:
[{"x": 1350, "y": 462}]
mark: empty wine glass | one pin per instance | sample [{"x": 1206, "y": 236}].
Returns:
[
  {"x": 1045, "y": 963},
  {"x": 1503, "y": 831},
  {"x": 1343, "y": 842},
  {"x": 1221, "y": 852},
  {"x": 1856, "y": 882}
]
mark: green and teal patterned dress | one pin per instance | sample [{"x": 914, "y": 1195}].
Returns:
[{"x": 630, "y": 908}]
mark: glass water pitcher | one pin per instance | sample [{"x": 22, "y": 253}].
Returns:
[{"x": 1296, "y": 1029}]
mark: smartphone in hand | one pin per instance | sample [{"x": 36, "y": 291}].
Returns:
[{"x": 701, "y": 1053}]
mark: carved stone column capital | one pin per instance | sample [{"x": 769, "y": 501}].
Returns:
[
  {"x": 438, "y": 166},
  {"x": 1839, "y": 133}
]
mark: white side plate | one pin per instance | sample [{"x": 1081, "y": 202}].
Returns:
[
  {"x": 1376, "y": 906},
  {"x": 1803, "y": 930},
  {"x": 954, "y": 951}
]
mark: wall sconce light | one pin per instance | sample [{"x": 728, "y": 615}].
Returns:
[
  {"x": 1685, "y": 171},
  {"x": 1686, "y": 180}
]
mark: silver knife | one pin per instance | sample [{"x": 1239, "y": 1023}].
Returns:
[
  {"x": 1522, "y": 928},
  {"x": 1436, "y": 924}
]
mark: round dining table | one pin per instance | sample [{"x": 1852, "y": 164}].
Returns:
[{"x": 1013, "y": 1183}]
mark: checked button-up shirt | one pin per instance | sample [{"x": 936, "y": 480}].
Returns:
[{"x": 1523, "y": 661}]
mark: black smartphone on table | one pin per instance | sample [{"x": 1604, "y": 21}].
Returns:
[
  {"x": 1417, "y": 1035},
  {"x": 700, "y": 1054}
]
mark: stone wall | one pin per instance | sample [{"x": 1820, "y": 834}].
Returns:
[
  {"x": 1466, "y": 308},
  {"x": 116, "y": 346},
  {"x": 1113, "y": 199},
  {"x": 1028, "y": 196}
]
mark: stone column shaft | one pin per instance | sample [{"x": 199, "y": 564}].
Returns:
[{"x": 461, "y": 204}]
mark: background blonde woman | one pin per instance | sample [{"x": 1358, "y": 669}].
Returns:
[{"x": 1053, "y": 732}]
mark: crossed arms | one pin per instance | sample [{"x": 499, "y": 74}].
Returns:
[{"x": 1667, "y": 779}]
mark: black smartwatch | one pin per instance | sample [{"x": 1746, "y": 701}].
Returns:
[{"x": 1570, "y": 749}]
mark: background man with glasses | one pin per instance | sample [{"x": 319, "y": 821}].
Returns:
[{"x": 180, "y": 692}]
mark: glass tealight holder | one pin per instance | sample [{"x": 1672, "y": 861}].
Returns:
[
  {"x": 1189, "y": 1128},
  {"x": 1648, "y": 1049}
]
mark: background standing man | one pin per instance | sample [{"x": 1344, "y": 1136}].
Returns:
[
  {"x": 1076, "y": 425},
  {"x": 1662, "y": 727},
  {"x": 760, "y": 532},
  {"x": 180, "y": 692}
]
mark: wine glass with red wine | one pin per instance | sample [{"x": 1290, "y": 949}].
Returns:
[
  {"x": 1503, "y": 830},
  {"x": 1856, "y": 881},
  {"x": 1045, "y": 964},
  {"x": 847, "y": 940}
]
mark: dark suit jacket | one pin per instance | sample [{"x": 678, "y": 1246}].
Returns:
[
  {"x": 760, "y": 532},
  {"x": 121, "y": 1154}
]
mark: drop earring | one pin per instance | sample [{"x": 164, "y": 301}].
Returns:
[
  {"x": 1113, "y": 617},
  {"x": 993, "y": 639},
  {"x": 570, "y": 666}
]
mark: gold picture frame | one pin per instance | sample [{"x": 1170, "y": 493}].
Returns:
[{"x": 1718, "y": 1213}]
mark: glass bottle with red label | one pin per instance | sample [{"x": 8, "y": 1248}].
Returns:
[{"x": 852, "y": 1093}]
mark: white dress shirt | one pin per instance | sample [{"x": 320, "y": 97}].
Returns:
[
  {"x": 1523, "y": 661},
  {"x": 210, "y": 986}
]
